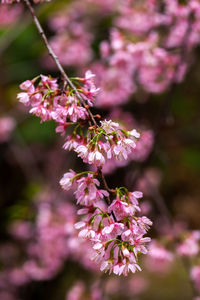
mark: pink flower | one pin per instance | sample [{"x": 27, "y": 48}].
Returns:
[
  {"x": 87, "y": 193},
  {"x": 109, "y": 126},
  {"x": 24, "y": 98},
  {"x": 72, "y": 142},
  {"x": 67, "y": 180},
  {"x": 27, "y": 86},
  {"x": 126, "y": 265},
  {"x": 88, "y": 80},
  {"x": 96, "y": 158},
  {"x": 83, "y": 152},
  {"x": 117, "y": 151},
  {"x": 133, "y": 198},
  {"x": 49, "y": 82},
  {"x": 62, "y": 129},
  {"x": 87, "y": 233},
  {"x": 121, "y": 209},
  {"x": 113, "y": 230},
  {"x": 79, "y": 225},
  {"x": 76, "y": 112}
]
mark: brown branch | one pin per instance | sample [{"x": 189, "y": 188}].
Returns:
[{"x": 66, "y": 78}]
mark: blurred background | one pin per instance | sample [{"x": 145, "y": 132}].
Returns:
[{"x": 147, "y": 82}]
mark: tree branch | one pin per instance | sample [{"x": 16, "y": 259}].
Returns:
[
  {"x": 55, "y": 58},
  {"x": 64, "y": 75}
]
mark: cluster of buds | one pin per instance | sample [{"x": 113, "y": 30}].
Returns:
[{"x": 110, "y": 220}]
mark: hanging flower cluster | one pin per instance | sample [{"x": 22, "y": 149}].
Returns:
[
  {"x": 113, "y": 228},
  {"x": 49, "y": 102},
  {"x": 115, "y": 231},
  {"x": 106, "y": 142}
]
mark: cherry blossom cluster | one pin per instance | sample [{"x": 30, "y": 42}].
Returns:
[
  {"x": 141, "y": 152},
  {"x": 49, "y": 102},
  {"x": 106, "y": 142},
  {"x": 115, "y": 231},
  {"x": 94, "y": 145},
  {"x": 144, "y": 144}
]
